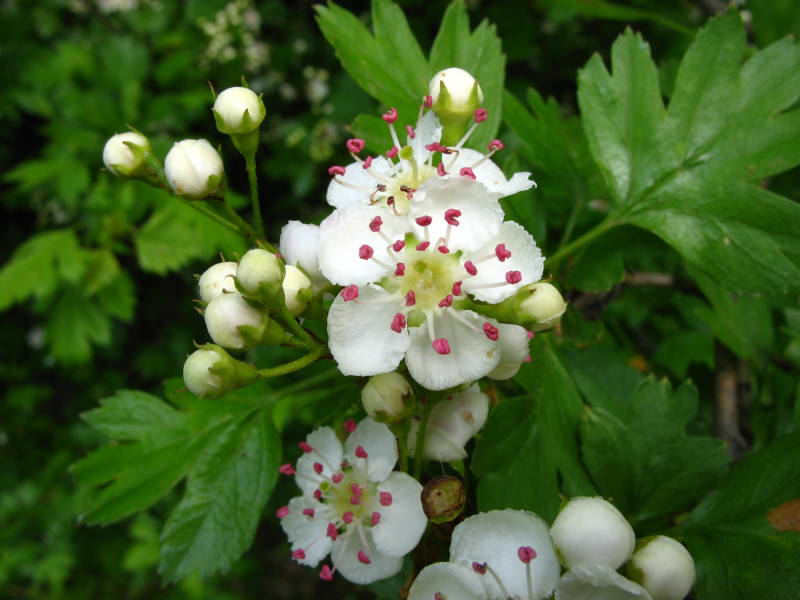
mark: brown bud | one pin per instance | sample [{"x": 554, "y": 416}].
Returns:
[{"x": 443, "y": 498}]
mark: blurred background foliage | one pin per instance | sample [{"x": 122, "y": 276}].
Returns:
[{"x": 98, "y": 294}]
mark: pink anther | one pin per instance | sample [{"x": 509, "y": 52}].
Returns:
[
  {"x": 410, "y": 132},
  {"x": 502, "y": 252},
  {"x": 446, "y": 302},
  {"x": 286, "y": 469},
  {"x": 375, "y": 224},
  {"x": 496, "y": 145},
  {"x": 282, "y": 512},
  {"x": 400, "y": 269},
  {"x": 481, "y": 114},
  {"x": 440, "y": 170},
  {"x": 350, "y": 293},
  {"x": 392, "y": 152},
  {"x": 423, "y": 221},
  {"x": 467, "y": 172},
  {"x": 513, "y": 277},
  {"x": 457, "y": 288},
  {"x": 305, "y": 447},
  {"x": 526, "y": 554},
  {"x": 398, "y": 322},
  {"x": 336, "y": 170},
  {"x": 385, "y": 498},
  {"x": 411, "y": 298},
  {"x": 451, "y": 216},
  {"x": 390, "y": 116},
  {"x": 471, "y": 268},
  {"x": 365, "y": 252},
  {"x": 367, "y": 163},
  {"x": 491, "y": 331},
  {"x": 355, "y": 145},
  {"x": 441, "y": 345}
]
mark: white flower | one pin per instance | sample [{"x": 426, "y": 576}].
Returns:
[
  {"x": 459, "y": 84},
  {"x": 387, "y": 397},
  {"x": 409, "y": 307},
  {"x": 299, "y": 245},
  {"x": 514, "y": 342},
  {"x": 296, "y": 289},
  {"x": 591, "y": 531},
  {"x": 233, "y": 322},
  {"x": 238, "y": 110},
  {"x": 353, "y": 507},
  {"x": 259, "y": 269},
  {"x": 598, "y": 582},
  {"x": 124, "y": 153},
  {"x": 217, "y": 279},
  {"x": 452, "y": 423},
  {"x": 447, "y": 581},
  {"x": 512, "y": 552},
  {"x": 664, "y": 568},
  {"x": 193, "y": 169}
]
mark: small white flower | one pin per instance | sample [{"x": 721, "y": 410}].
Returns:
[
  {"x": 387, "y": 397},
  {"x": 233, "y": 322},
  {"x": 595, "y": 582},
  {"x": 296, "y": 289},
  {"x": 217, "y": 279},
  {"x": 591, "y": 531},
  {"x": 124, "y": 153},
  {"x": 512, "y": 552},
  {"x": 258, "y": 269},
  {"x": 452, "y": 423},
  {"x": 353, "y": 507},
  {"x": 194, "y": 169},
  {"x": 459, "y": 84},
  {"x": 447, "y": 581},
  {"x": 664, "y": 568},
  {"x": 238, "y": 110},
  {"x": 299, "y": 245}
]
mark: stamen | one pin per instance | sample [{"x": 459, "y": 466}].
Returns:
[
  {"x": 360, "y": 452},
  {"x": 355, "y": 145},
  {"x": 356, "y": 489},
  {"x": 375, "y": 224},
  {"x": 422, "y": 246},
  {"x": 318, "y": 468},
  {"x": 282, "y": 512},
  {"x": 423, "y": 221},
  {"x": 398, "y": 323},
  {"x": 318, "y": 494},
  {"x": 367, "y": 163},
  {"x": 457, "y": 288},
  {"x": 467, "y": 172},
  {"x": 363, "y": 558},
  {"x": 348, "y": 517},
  {"x": 336, "y": 170},
  {"x": 492, "y": 332},
  {"x": 481, "y": 114},
  {"x": 411, "y": 298},
  {"x": 398, "y": 245},
  {"x": 458, "y": 316},
  {"x": 471, "y": 268},
  {"x": 440, "y": 170},
  {"x": 355, "y": 500},
  {"x": 365, "y": 252},
  {"x": 443, "y": 249},
  {"x": 441, "y": 345},
  {"x": 446, "y": 302},
  {"x": 333, "y": 532},
  {"x": 410, "y": 132},
  {"x": 358, "y": 188},
  {"x": 286, "y": 469},
  {"x": 530, "y": 334},
  {"x": 502, "y": 252},
  {"x": 513, "y": 277},
  {"x": 309, "y": 512},
  {"x": 305, "y": 447},
  {"x": 400, "y": 269},
  {"x": 375, "y": 519},
  {"x": 349, "y": 425},
  {"x": 451, "y": 216},
  {"x": 390, "y": 116},
  {"x": 299, "y": 554},
  {"x": 325, "y": 573},
  {"x": 385, "y": 498},
  {"x": 479, "y": 568},
  {"x": 526, "y": 554},
  {"x": 337, "y": 477},
  {"x": 350, "y": 293},
  {"x": 496, "y": 145},
  {"x": 392, "y": 152},
  {"x": 427, "y": 102}
]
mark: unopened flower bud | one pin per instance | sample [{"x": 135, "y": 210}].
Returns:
[
  {"x": 194, "y": 169},
  {"x": 234, "y": 322},
  {"x": 260, "y": 273},
  {"x": 592, "y": 531},
  {"x": 456, "y": 96},
  {"x": 210, "y": 372},
  {"x": 296, "y": 290},
  {"x": 452, "y": 423},
  {"x": 443, "y": 498},
  {"x": 388, "y": 397},
  {"x": 663, "y": 567},
  {"x": 217, "y": 279},
  {"x": 238, "y": 110},
  {"x": 541, "y": 306},
  {"x": 124, "y": 153}
]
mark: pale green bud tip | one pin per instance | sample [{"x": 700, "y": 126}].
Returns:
[
  {"x": 544, "y": 305},
  {"x": 592, "y": 531},
  {"x": 124, "y": 153},
  {"x": 197, "y": 373},
  {"x": 233, "y": 322},
  {"x": 663, "y": 567},
  {"x": 296, "y": 290},
  {"x": 388, "y": 397},
  {"x": 455, "y": 90},
  {"x": 194, "y": 169},
  {"x": 217, "y": 279},
  {"x": 258, "y": 269},
  {"x": 238, "y": 110}
]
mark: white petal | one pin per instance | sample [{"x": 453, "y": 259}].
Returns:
[
  {"x": 342, "y": 196},
  {"x": 428, "y": 130},
  {"x": 380, "y": 445},
  {"x": 481, "y": 214},
  {"x": 525, "y": 258},
  {"x": 360, "y": 336},
  {"x": 513, "y": 350},
  {"x": 489, "y": 174},
  {"x": 344, "y": 232},
  {"x": 448, "y": 579},
  {"x": 345, "y": 559},
  {"x": 327, "y": 451},
  {"x": 598, "y": 582},
  {"x": 306, "y": 533},
  {"x": 402, "y": 522},
  {"x": 472, "y": 355},
  {"x": 494, "y": 537},
  {"x": 299, "y": 246}
]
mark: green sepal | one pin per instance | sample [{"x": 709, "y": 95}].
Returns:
[
  {"x": 246, "y": 143},
  {"x": 274, "y": 334},
  {"x": 455, "y": 119},
  {"x": 232, "y": 373}
]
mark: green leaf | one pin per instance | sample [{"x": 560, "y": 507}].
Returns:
[
  {"x": 686, "y": 173},
  {"x": 529, "y": 445},
  {"x": 743, "y": 537},
  {"x": 74, "y": 323},
  {"x": 644, "y": 460},
  {"x": 176, "y": 234},
  {"x": 217, "y": 518},
  {"x": 685, "y": 348}
]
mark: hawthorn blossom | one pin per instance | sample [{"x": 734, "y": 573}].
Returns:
[
  {"x": 598, "y": 581},
  {"x": 353, "y": 507},
  {"x": 511, "y": 550},
  {"x": 299, "y": 246},
  {"x": 446, "y": 580}
]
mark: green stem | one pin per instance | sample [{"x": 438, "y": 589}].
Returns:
[
  {"x": 419, "y": 449},
  {"x": 579, "y": 243},
  {"x": 402, "y": 447},
  {"x": 252, "y": 177},
  {"x": 292, "y": 366},
  {"x": 577, "y": 208},
  {"x": 306, "y": 383},
  {"x": 291, "y": 322}
]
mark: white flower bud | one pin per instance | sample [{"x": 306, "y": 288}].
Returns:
[
  {"x": 233, "y": 322},
  {"x": 543, "y": 305},
  {"x": 194, "y": 169},
  {"x": 217, "y": 279},
  {"x": 197, "y": 373},
  {"x": 299, "y": 246},
  {"x": 259, "y": 271},
  {"x": 459, "y": 85},
  {"x": 664, "y": 568},
  {"x": 592, "y": 531},
  {"x": 296, "y": 290},
  {"x": 452, "y": 423},
  {"x": 124, "y": 153},
  {"x": 238, "y": 110},
  {"x": 387, "y": 397}
]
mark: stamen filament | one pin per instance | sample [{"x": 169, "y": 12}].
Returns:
[
  {"x": 352, "y": 186},
  {"x": 503, "y": 589}
]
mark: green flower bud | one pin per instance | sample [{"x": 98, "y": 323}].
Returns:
[
  {"x": 260, "y": 274},
  {"x": 443, "y": 498},
  {"x": 296, "y": 290},
  {"x": 663, "y": 567},
  {"x": 238, "y": 110},
  {"x": 456, "y": 95},
  {"x": 210, "y": 372},
  {"x": 541, "y": 306},
  {"x": 388, "y": 397},
  {"x": 194, "y": 169},
  {"x": 234, "y": 322},
  {"x": 124, "y": 154},
  {"x": 217, "y": 279}
]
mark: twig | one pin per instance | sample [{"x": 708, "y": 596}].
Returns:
[{"x": 726, "y": 408}]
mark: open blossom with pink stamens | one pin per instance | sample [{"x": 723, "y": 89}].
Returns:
[{"x": 354, "y": 507}]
